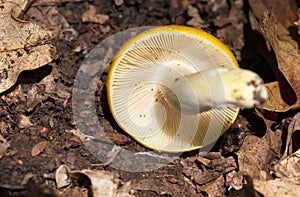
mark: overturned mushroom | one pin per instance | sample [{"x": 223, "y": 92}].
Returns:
[{"x": 177, "y": 88}]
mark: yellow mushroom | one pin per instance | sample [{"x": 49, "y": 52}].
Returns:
[{"x": 177, "y": 88}]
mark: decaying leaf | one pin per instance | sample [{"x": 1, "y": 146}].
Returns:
[
  {"x": 213, "y": 188},
  {"x": 196, "y": 20},
  {"x": 277, "y": 187},
  {"x": 293, "y": 127},
  {"x": 234, "y": 180},
  {"x": 14, "y": 7},
  {"x": 102, "y": 183},
  {"x": 212, "y": 167},
  {"x": 285, "y": 11},
  {"x": 91, "y": 16},
  {"x": 254, "y": 156},
  {"x": 288, "y": 59},
  {"x": 23, "y": 45},
  {"x": 23, "y": 121},
  {"x": 289, "y": 168},
  {"x": 41, "y": 91},
  {"x": 38, "y": 148},
  {"x": 288, "y": 181}
]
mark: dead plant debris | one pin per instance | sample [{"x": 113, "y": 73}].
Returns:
[
  {"x": 23, "y": 45},
  {"x": 37, "y": 129}
]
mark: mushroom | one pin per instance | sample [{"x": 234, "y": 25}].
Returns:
[{"x": 177, "y": 88}]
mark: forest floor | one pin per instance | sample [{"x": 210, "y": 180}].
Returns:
[{"x": 38, "y": 134}]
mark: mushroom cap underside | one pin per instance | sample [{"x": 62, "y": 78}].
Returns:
[{"x": 150, "y": 62}]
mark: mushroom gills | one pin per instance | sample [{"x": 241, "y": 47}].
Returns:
[{"x": 215, "y": 88}]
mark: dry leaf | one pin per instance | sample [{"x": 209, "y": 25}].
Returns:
[
  {"x": 287, "y": 182},
  {"x": 289, "y": 168},
  {"x": 38, "y": 148},
  {"x": 210, "y": 169},
  {"x": 23, "y": 121},
  {"x": 23, "y": 46},
  {"x": 285, "y": 11},
  {"x": 277, "y": 187},
  {"x": 213, "y": 188},
  {"x": 288, "y": 59},
  {"x": 293, "y": 127},
  {"x": 254, "y": 156},
  {"x": 91, "y": 16},
  {"x": 196, "y": 20},
  {"x": 273, "y": 138},
  {"x": 14, "y": 7},
  {"x": 103, "y": 184},
  {"x": 40, "y": 92},
  {"x": 234, "y": 180}
]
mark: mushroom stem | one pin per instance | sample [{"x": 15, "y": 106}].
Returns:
[{"x": 216, "y": 88}]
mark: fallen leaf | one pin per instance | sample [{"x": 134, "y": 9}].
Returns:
[
  {"x": 213, "y": 188},
  {"x": 14, "y": 7},
  {"x": 40, "y": 91},
  {"x": 210, "y": 169},
  {"x": 102, "y": 183},
  {"x": 289, "y": 168},
  {"x": 288, "y": 59},
  {"x": 23, "y": 121},
  {"x": 234, "y": 180},
  {"x": 277, "y": 187},
  {"x": 50, "y": 17},
  {"x": 254, "y": 156},
  {"x": 285, "y": 11},
  {"x": 91, "y": 16},
  {"x": 275, "y": 101},
  {"x": 23, "y": 46},
  {"x": 287, "y": 182},
  {"x": 196, "y": 20},
  {"x": 293, "y": 127},
  {"x": 272, "y": 137},
  {"x": 38, "y": 148}
]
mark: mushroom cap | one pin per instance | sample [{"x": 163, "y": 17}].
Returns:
[{"x": 152, "y": 60}]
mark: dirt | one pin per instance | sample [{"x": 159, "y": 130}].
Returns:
[{"x": 25, "y": 174}]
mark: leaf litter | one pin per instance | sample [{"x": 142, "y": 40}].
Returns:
[
  {"x": 258, "y": 167},
  {"x": 288, "y": 58},
  {"x": 23, "y": 45}
]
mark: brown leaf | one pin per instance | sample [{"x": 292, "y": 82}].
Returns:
[
  {"x": 91, "y": 16},
  {"x": 23, "y": 46},
  {"x": 288, "y": 59},
  {"x": 23, "y": 121},
  {"x": 102, "y": 183},
  {"x": 287, "y": 182},
  {"x": 275, "y": 102},
  {"x": 196, "y": 20},
  {"x": 235, "y": 180},
  {"x": 277, "y": 187},
  {"x": 254, "y": 156},
  {"x": 285, "y": 11},
  {"x": 289, "y": 168},
  {"x": 211, "y": 169},
  {"x": 213, "y": 188},
  {"x": 14, "y": 7},
  {"x": 40, "y": 92},
  {"x": 38, "y": 148}
]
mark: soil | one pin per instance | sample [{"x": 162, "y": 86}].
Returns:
[{"x": 26, "y": 174}]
